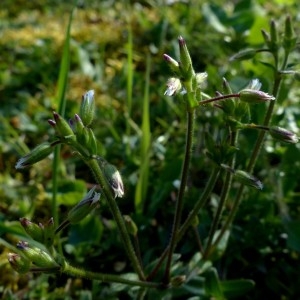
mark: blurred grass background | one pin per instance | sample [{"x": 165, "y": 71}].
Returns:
[{"x": 116, "y": 49}]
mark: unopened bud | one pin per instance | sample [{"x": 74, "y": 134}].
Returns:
[
  {"x": 84, "y": 207},
  {"x": 130, "y": 225},
  {"x": 174, "y": 65},
  {"x": 247, "y": 179},
  {"x": 283, "y": 135},
  {"x": 266, "y": 37},
  {"x": 185, "y": 59},
  {"x": 37, "y": 154},
  {"x": 254, "y": 96},
  {"x": 83, "y": 137},
  {"x": 18, "y": 263},
  {"x": 78, "y": 125},
  {"x": 34, "y": 230},
  {"x": 37, "y": 256},
  {"x": 114, "y": 179},
  {"x": 62, "y": 127},
  {"x": 289, "y": 39},
  {"x": 92, "y": 142},
  {"x": 87, "y": 108},
  {"x": 178, "y": 281},
  {"x": 244, "y": 54},
  {"x": 273, "y": 36}
]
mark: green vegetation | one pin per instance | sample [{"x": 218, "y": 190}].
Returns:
[{"x": 149, "y": 150}]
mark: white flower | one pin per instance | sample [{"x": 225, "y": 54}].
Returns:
[
  {"x": 201, "y": 79},
  {"x": 174, "y": 86}
]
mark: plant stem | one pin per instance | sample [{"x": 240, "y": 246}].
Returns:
[
  {"x": 224, "y": 196},
  {"x": 106, "y": 277},
  {"x": 254, "y": 156},
  {"x": 94, "y": 166},
  {"x": 189, "y": 220},
  {"x": 220, "y": 98},
  {"x": 180, "y": 197},
  {"x": 55, "y": 166}
]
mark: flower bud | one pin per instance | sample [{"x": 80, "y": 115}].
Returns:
[
  {"x": 273, "y": 37},
  {"x": 78, "y": 125},
  {"x": 254, "y": 96},
  {"x": 185, "y": 59},
  {"x": 114, "y": 179},
  {"x": 283, "y": 135},
  {"x": 244, "y": 54},
  {"x": 87, "y": 108},
  {"x": 266, "y": 37},
  {"x": 18, "y": 263},
  {"x": 84, "y": 207},
  {"x": 243, "y": 177},
  {"x": 174, "y": 65},
  {"x": 37, "y": 154},
  {"x": 178, "y": 281},
  {"x": 174, "y": 86},
  {"x": 247, "y": 179},
  {"x": 83, "y": 137},
  {"x": 34, "y": 230},
  {"x": 289, "y": 40},
  {"x": 62, "y": 127},
  {"x": 37, "y": 256},
  {"x": 130, "y": 225},
  {"x": 92, "y": 142}
]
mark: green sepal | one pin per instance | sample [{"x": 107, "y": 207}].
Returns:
[
  {"x": 87, "y": 108},
  {"x": 289, "y": 39},
  {"x": 49, "y": 233},
  {"x": 39, "y": 153},
  {"x": 33, "y": 230},
  {"x": 37, "y": 256},
  {"x": 19, "y": 263},
  {"x": 92, "y": 142},
  {"x": 244, "y": 54},
  {"x": 62, "y": 127},
  {"x": 84, "y": 207},
  {"x": 130, "y": 225}
]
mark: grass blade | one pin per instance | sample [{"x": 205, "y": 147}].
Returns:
[{"x": 142, "y": 185}]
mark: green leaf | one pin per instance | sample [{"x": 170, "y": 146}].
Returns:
[
  {"x": 212, "y": 284},
  {"x": 212, "y": 19},
  {"x": 236, "y": 288}
]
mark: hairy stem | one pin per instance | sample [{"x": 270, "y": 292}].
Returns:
[
  {"x": 224, "y": 196},
  {"x": 189, "y": 220},
  {"x": 253, "y": 158},
  {"x": 180, "y": 197},
  {"x": 94, "y": 166},
  {"x": 106, "y": 277},
  {"x": 220, "y": 98}
]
